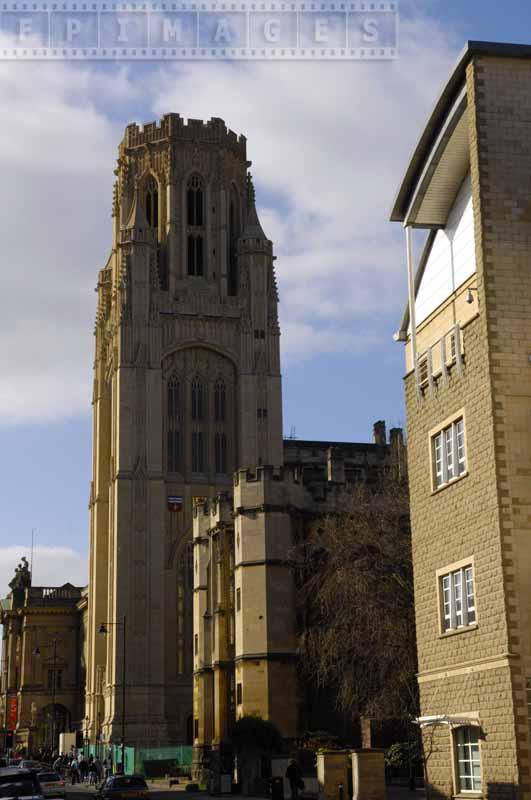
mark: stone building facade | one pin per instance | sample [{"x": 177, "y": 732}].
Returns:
[
  {"x": 467, "y": 333},
  {"x": 43, "y": 668},
  {"x": 245, "y": 605},
  {"x": 187, "y": 394},
  {"x": 186, "y": 389}
]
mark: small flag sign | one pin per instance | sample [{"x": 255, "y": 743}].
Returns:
[{"x": 175, "y": 503}]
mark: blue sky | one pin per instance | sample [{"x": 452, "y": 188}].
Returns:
[{"x": 329, "y": 144}]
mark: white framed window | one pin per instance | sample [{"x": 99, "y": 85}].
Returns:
[
  {"x": 467, "y": 759},
  {"x": 449, "y": 453},
  {"x": 458, "y": 600}
]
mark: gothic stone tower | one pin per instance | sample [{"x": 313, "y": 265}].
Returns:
[{"x": 187, "y": 389}]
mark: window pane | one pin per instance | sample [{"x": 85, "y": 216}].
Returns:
[
  {"x": 468, "y": 759},
  {"x": 438, "y": 460},
  {"x": 174, "y": 411},
  {"x": 470, "y": 599},
  {"x": 197, "y": 400},
  {"x": 198, "y": 207},
  {"x": 460, "y": 440},
  {"x": 198, "y": 255},
  {"x": 458, "y": 597},
  {"x": 446, "y": 602},
  {"x": 197, "y": 452},
  {"x": 449, "y": 452},
  {"x": 191, "y": 255},
  {"x": 190, "y": 205}
]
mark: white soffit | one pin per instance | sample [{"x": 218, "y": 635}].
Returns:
[
  {"x": 451, "y": 720},
  {"x": 444, "y": 171}
]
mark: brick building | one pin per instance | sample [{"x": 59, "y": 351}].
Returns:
[{"x": 467, "y": 334}]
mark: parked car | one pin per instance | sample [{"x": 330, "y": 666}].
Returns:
[
  {"x": 123, "y": 787},
  {"x": 27, "y": 764},
  {"x": 52, "y": 784},
  {"x": 20, "y": 784}
]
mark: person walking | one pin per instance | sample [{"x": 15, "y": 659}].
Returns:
[
  {"x": 294, "y": 776},
  {"x": 93, "y": 774},
  {"x": 74, "y": 771}
]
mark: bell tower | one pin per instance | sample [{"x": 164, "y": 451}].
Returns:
[{"x": 187, "y": 390}]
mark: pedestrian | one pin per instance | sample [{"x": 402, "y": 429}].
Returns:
[
  {"x": 93, "y": 773},
  {"x": 74, "y": 771},
  {"x": 83, "y": 768},
  {"x": 294, "y": 776}
]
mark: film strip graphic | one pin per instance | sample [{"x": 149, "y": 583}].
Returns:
[{"x": 198, "y": 31}]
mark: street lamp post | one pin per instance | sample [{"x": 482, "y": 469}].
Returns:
[
  {"x": 53, "y": 644},
  {"x": 103, "y": 630}
]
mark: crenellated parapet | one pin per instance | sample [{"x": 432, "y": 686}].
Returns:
[
  {"x": 174, "y": 127},
  {"x": 268, "y": 488}
]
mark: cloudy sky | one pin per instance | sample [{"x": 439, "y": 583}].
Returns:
[{"x": 329, "y": 143}]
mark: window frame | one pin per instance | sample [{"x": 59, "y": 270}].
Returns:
[
  {"x": 476, "y": 790},
  {"x": 446, "y": 442},
  {"x": 466, "y": 617}
]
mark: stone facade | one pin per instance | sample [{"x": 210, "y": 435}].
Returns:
[
  {"x": 245, "y": 606},
  {"x": 475, "y": 678},
  {"x": 186, "y": 389},
  {"x": 43, "y": 667}
]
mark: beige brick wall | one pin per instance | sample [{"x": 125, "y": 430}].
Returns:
[{"x": 487, "y": 514}]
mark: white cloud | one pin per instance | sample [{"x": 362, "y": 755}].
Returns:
[
  {"x": 52, "y": 566},
  {"x": 328, "y": 142},
  {"x": 57, "y": 152}
]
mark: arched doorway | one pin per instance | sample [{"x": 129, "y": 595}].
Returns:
[{"x": 53, "y": 720}]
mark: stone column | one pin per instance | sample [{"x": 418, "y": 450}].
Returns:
[
  {"x": 332, "y": 774},
  {"x": 368, "y": 775}
]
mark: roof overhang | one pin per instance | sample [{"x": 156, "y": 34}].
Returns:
[
  {"x": 413, "y": 204},
  {"x": 444, "y": 171}
]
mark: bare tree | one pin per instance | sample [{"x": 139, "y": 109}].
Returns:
[{"x": 356, "y": 598}]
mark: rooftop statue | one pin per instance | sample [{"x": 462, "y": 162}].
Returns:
[{"x": 22, "y": 579}]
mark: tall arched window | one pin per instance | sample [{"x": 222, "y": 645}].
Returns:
[
  {"x": 195, "y": 254},
  {"x": 174, "y": 425},
  {"x": 195, "y": 220},
  {"x": 219, "y": 401},
  {"x": 198, "y": 452},
  {"x": 220, "y": 453},
  {"x": 152, "y": 203},
  {"x": 197, "y": 400},
  {"x": 195, "y": 202}
]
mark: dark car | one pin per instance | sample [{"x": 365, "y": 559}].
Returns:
[
  {"x": 19, "y": 784},
  {"x": 123, "y": 787},
  {"x": 52, "y": 785}
]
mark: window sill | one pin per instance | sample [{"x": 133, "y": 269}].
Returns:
[
  {"x": 455, "y": 632},
  {"x": 463, "y": 794},
  {"x": 450, "y": 483}
]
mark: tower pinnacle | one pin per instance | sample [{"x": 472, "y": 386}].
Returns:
[{"x": 253, "y": 228}]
